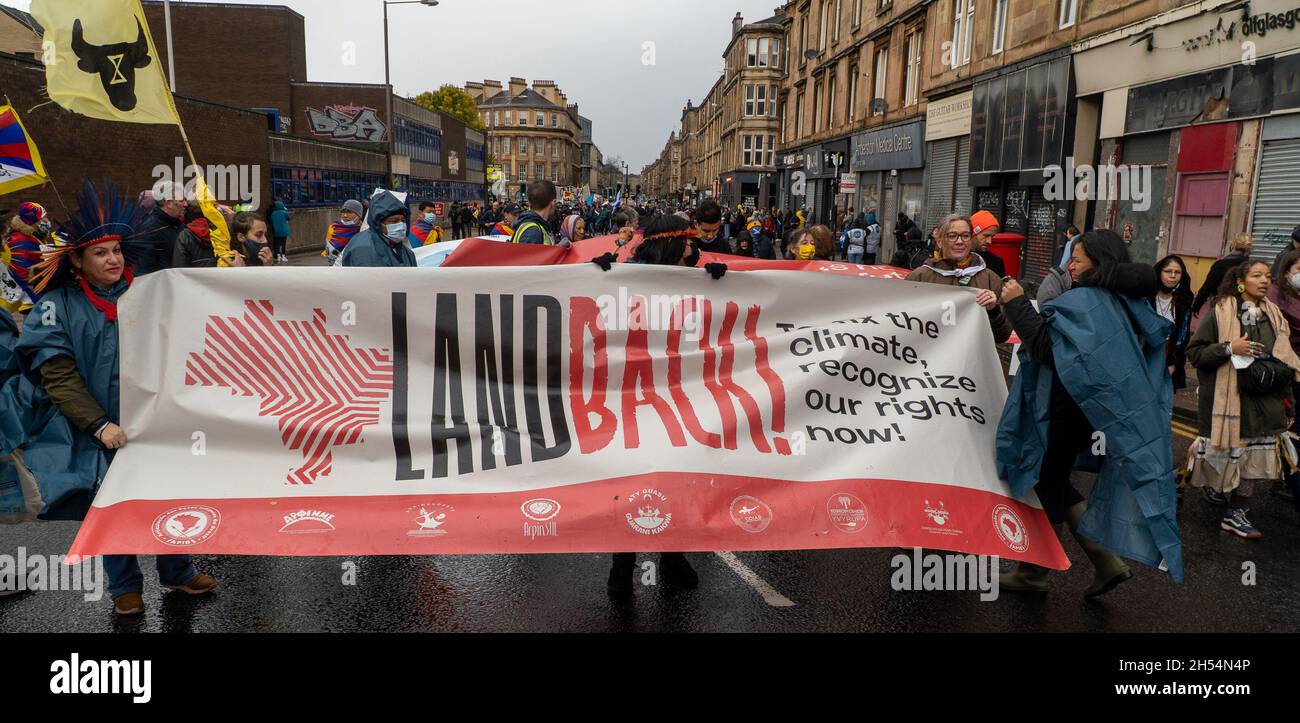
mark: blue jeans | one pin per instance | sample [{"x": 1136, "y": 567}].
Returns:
[
  {"x": 855, "y": 258},
  {"x": 124, "y": 572}
]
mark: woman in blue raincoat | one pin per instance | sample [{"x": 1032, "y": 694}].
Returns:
[
  {"x": 69, "y": 346},
  {"x": 1094, "y": 379}
]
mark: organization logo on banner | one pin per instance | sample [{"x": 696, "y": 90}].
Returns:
[
  {"x": 428, "y": 519},
  {"x": 308, "y": 522},
  {"x": 750, "y": 514},
  {"x": 847, "y": 512},
  {"x": 1010, "y": 528},
  {"x": 187, "y": 525},
  {"x": 649, "y": 515},
  {"x": 541, "y": 511},
  {"x": 939, "y": 517}
]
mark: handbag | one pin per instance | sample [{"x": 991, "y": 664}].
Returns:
[{"x": 1266, "y": 376}]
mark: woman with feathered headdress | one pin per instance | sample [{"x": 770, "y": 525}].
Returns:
[{"x": 69, "y": 347}]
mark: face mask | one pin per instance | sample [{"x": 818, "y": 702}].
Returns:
[
  {"x": 806, "y": 253},
  {"x": 395, "y": 231},
  {"x": 1294, "y": 279},
  {"x": 430, "y": 218}
]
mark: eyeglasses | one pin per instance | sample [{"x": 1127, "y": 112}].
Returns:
[{"x": 954, "y": 235}]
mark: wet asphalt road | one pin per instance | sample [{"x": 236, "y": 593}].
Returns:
[{"x": 831, "y": 590}]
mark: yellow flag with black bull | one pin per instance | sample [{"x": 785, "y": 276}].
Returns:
[{"x": 100, "y": 61}]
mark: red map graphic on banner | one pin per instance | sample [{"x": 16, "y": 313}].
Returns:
[{"x": 322, "y": 391}]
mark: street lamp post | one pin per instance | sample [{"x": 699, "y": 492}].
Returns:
[{"x": 388, "y": 83}]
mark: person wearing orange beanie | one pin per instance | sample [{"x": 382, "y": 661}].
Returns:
[{"x": 985, "y": 226}]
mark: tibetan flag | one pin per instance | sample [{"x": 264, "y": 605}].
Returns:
[
  {"x": 20, "y": 162},
  {"x": 105, "y": 65}
]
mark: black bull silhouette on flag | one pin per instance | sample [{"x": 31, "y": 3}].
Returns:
[{"x": 116, "y": 64}]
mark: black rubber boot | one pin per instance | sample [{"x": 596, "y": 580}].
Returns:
[
  {"x": 677, "y": 572},
  {"x": 1028, "y": 577},
  {"x": 1110, "y": 569},
  {"x": 621, "y": 574}
]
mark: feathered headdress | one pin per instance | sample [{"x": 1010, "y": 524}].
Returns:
[{"x": 99, "y": 219}]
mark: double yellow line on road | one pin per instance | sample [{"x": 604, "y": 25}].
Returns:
[{"x": 1184, "y": 430}]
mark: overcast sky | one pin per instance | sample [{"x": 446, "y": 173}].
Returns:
[{"x": 591, "y": 48}]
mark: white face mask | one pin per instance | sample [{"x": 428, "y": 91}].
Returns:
[
  {"x": 395, "y": 231},
  {"x": 430, "y": 218},
  {"x": 1294, "y": 279}
]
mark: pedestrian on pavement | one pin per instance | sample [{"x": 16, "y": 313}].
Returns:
[
  {"x": 708, "y": 221},
  {"x": 1278, "y": 269},
  {"x": 24, "y": 235},
  {"x": 854, "y": 241},
  {"x": 823, "y": 242},
  {"x": 985, "y": 226},
  {"x": 194, "y": 243},
  {"x": 383, "y": 244},
  {"x": 509, "y": 217},
  {"x": 1285, "y": 292},
  {"x": 960, "y": 266},
  {"x": 250, "y": 237},
  {"x": 1072, "y": 234},
  {"x": 1122, "y": 393},
  {"x": 341, "y": 231},
  {"x": 764, "y": 245},
  {"x": 1056, "y": 282},
  {"x": 533, "y": 223},
  {"x": 874, "y": 233},
  {"x": 667, "y": 242},
  {"x": 1242, "y": 415},
  {"x": 1173, "y": 301},
  {"x": 280, "y": 217},
  {"x": 156, "y": 235},
  {"x": 1242, "y": 244},
  {"x": 72, "y": 352},
  {"x": 573, "y": 229},
  {"x": 424, "y": 225}
]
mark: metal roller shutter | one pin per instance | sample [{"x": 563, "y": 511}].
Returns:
[
  {"x": 962, "y": 205},
  {"x": 939, "y": 185},
  {"x": 1277, "y": 199}
]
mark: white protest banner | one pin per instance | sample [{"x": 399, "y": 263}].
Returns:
[{"x": 300, "y": 411}]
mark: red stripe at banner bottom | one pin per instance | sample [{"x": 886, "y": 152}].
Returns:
[{"x": 644, "y": 513}]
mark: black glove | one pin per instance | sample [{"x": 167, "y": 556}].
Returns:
[
  {"x": 606, "y": 261},
  {"x": 716, "y": 270}
]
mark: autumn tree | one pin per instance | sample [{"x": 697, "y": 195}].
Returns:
[{"x": 454, "y": 102}]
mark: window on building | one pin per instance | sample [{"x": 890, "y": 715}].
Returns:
[
  {"x": 835, "y": 21},
  {"x": 803, "y": 43},
  {"x": 555, "y": 148},
  {"x": 1069, "y": 12},
  {"x": 506, "y": 146},
  {"x": 771, "y": 99},
  {"x": 555, "y": 173},
  {"x": 771, "y": 150},
  {"x": 798, "y": 117},
  {"x": 879, "y": 81},
  {"x": 555, "y": 120},
  {"x": 999, "y": 25},
  {"x": 764, "y": 52},
  {"x": 751, "y": 53},
  {"x": 539, "y": 146},
  {"x": 540, "y": 119},
  {"x": 830, "y": 102},
  {"x": 963, "y": 26},
  {"x": 852, "y": 114},
  {"x": 748, "y": 158},
  {"x": 857, "y": 13},
  {"x": 762, "y": 100},
  {"x": 776, "y": 53},
  {"x": 508, "y": 168},
  {"x": 912, "y": 68},
  {"x": 510, "y": 117},
  {"x": 523, "y": 145},
  {"x": 825, "y": 21},
  {"x": 817, "y": 107},
  {"x": 749, "y": 100}
]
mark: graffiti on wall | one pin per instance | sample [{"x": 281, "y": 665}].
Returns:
[{"x": 347, "y": 123}]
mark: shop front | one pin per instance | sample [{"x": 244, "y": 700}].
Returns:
[
  {"x": 890, "y": 168},
  {"x": 1020, "y": 120},
  {"x": 947, "y": 152},
  {"x": 1208, "y": 133}
]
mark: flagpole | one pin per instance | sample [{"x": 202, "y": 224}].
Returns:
[{"x": 171, "y": 54}]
